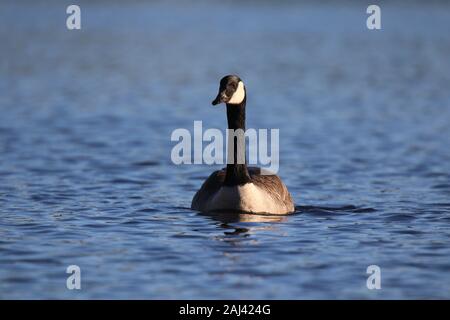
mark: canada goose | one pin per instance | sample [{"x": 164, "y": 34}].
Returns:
[{"x": 238, "y": 187}]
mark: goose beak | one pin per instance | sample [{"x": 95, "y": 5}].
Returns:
[
  {"x": 221, "y": 97},
  {"x": 217, "y": 100}
]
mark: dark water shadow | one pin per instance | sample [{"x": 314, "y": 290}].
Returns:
[
  {"x": 332, "y": 210},
  {"x": 226, "y": 217}
]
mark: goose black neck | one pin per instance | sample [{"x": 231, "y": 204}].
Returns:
[{"x": 237, "y": 174}]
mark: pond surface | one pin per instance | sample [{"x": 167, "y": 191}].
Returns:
[{"x": 85, "y": 171}]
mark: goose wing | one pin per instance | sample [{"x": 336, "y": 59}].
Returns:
[
  {"x": 274, "y": 186},
  {"x": 208, "y": 189}
]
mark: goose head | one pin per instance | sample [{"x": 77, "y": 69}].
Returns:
[{"x": 231, "y": 91}]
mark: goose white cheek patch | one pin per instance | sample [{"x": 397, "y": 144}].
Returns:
[{"x": 238, "y": 95}]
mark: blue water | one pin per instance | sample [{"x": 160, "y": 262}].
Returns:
[{"x": 85, "y": 170}]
